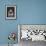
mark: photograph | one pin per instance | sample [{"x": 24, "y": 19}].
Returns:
[{"x": 10, "y": 11}]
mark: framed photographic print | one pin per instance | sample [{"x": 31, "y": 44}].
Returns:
[{"x": 10, "y": 11}]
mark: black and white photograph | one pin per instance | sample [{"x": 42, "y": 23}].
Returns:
[{"x": 10, "y": 11}]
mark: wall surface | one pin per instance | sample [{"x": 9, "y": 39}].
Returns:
[{"x": 28, "y": 12}]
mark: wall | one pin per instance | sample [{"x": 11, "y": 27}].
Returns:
[
  {"x": 33, "y": 12},
  {"x": 28, "y": 12}
]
